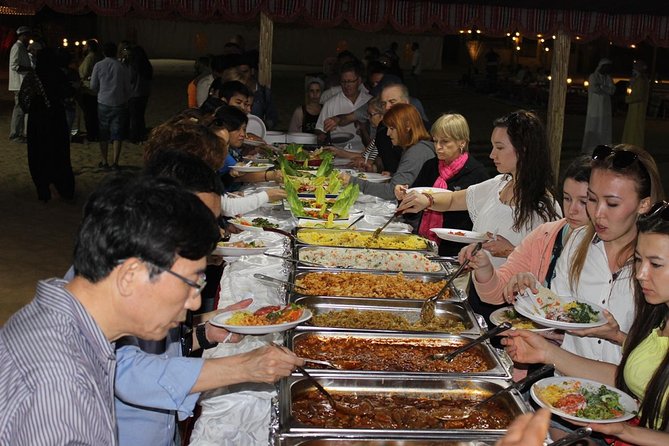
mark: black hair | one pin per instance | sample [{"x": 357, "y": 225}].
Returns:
[
  {"x": 187, "y": 169},
  {"x": 534, "y": 188},
  {"x": 353, "y": 65},
  {"x": 109, "y": 49},
  {"x": 230, "y": 118},
  {"x": 647, "y": 318},
  {"x": 153, "y": 219},
  {"x": 579, "y": 169},
  {"x": 228, "y": 89}
]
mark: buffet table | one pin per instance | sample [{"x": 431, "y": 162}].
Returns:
[{"x": 251, "y": 414}]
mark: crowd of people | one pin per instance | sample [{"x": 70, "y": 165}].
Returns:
[{"x": 105, "y": 356}]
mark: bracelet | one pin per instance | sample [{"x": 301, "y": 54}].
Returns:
[
  {"x": 201, "y": 335},
  {"x": 430, "y": 198}
]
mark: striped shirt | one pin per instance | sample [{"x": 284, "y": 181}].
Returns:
[{"x": 56, "y": 374}]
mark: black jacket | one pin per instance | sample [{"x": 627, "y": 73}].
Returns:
[{"x": 472, "y": 172}]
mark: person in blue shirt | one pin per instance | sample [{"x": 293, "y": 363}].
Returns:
[{"x": 155, "y": 384}]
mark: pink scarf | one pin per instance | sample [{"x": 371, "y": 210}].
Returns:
[{"x": 435, "y": 219}]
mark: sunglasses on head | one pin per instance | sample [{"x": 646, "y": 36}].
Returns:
[
  {"x": 659, "y": 209},
  {"x": 620, "y": 159}
]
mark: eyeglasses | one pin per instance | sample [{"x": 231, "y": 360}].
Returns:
[
  {"x": 349, "y": 81},
  {"x": 198, "y": 285},
  {"x": 659, "y": 209},
  {"x": 620, "y": 159}
]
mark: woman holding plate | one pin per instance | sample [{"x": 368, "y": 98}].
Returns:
[
  {"x": 454, "y": 169},
  {"x": 513, "y": 203},
  {"x": 644, "y": 368},
  {"x": 407, "y": 131}
]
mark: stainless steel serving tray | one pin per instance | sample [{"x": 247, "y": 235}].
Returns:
[
  {"x": 384, "y": 440},
  {"x": 455, "y": 295},
  {"x": 431, "y": 247},
  {"x": 401, "y": 386},
  {"x": 443, "y": 267},
  {"x": 499, "y": 368},
  {"x": 408, "y": 308}
]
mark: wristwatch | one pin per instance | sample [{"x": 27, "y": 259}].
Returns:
[{"x": 201, "y": 335}]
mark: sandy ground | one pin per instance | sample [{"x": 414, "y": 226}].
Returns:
[{"x": 37, "y": 238}]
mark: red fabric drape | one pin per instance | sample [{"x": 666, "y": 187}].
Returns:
[{"x": 406, "y": 16}]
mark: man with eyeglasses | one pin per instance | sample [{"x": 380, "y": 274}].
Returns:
[
  {"x": 139, "y": 239},
  {"x": 352, "y": 96}
]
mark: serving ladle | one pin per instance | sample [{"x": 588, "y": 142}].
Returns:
[
  {"x": 459, "y": 413},
  {"x": 487, "y": 335},
  {"x": 266, "y": 278},
  {"x": 427, "y": 310}
]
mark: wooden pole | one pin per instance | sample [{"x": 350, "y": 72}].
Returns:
[
  {"x": 557, "y": 97},
  {"x": 266, "y": 40}
]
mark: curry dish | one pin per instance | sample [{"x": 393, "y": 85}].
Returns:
[
  {"x": 395, "y": 412},
  {"x": 367, "y": 285},
  {"x": 384, "y": 320},
  {"x": 389, "y": 354}
]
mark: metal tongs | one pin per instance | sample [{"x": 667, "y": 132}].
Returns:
[
  {"x": 378, "y": 231},
  {"x": 427, "y": 310},
  {"x": 487, "y": 335},
  {"x": 270, "y": 279}
]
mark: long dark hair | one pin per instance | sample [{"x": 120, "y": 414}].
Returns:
[
  {"x": 647, "y": 318},
  {"x": 534, "y": 189}
]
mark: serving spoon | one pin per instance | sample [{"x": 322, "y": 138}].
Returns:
[
  {"x": 428, "y": 307},
  {"x": 266, "y": 278},
  {"x": 487, "y": 335},
  {"x": 457, "y": 413}
]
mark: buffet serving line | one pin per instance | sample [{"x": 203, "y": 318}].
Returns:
[{"x": 387, "y": 386}]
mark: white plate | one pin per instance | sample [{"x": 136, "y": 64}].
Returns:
[
  {"x": 627, "y": 402},
  {"x": 245, "y": 169},
  {"x": 373, "y": 177},
  {"x": 238, "y": 224},
  {"x": 454, "y": 235},
  {"x": 558, "y": 324},
  {"x": 340, "y": 137},
  {"x": 498, "y": 316},
  {"x": 223, "y": 249},
  {"x": 429, "y": 190},
  {"x": 256, "y": 126},
  {"x": 219, "y": 321},
  {"x": 256, "y": 160}
]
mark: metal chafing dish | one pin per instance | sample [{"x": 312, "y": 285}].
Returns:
[
  {"x": 386, "y": 440},
  {"x": 293, "y": 388},
  {"x": 455, "y": 293},
  {"x": 441, "y": 268},
  {"x": 402, "y": 239},
  {"x": 497, "y": 366},
  {"x": 407, "y": 308}
]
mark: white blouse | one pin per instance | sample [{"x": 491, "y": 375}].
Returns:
[
  {"x": 490, "y": 214},
  {"x": 597, "y": 285}
]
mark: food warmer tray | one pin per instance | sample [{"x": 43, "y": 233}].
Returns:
[
  {"x": 292, "y": 387},
  {"x": 431, "y": 248},
  {"x": 383, "y": 440},
  {"x": 498, "y": 365},
  {"x": 444, "y": 267},
  {"x": 408, "y": 308},
  {"x": 456, "y": 294}
]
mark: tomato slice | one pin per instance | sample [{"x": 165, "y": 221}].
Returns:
[{"x": 266, "y": 310}]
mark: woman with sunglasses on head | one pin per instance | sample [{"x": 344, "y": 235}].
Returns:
[
  {"x": 596, "y": 263},
  {"x": 513, "y": 203},
  {"x": 454, "y": 169},
  {"x": 407, "y": 131},
  {"x": 643, "y": 371}
]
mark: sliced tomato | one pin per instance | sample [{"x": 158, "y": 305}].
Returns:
[
  {"x": 266, "y": 310},
  {"x": 571, "y": 403}
]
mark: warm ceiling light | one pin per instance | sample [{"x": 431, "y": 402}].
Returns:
[
  {"x": 549, "y": 77},
  {"x": 569, "y": 80},
  {"x": 539, "y": 36},
  {"x": 508, "y": 34},
  {"x": 83, "y": 42},
  {"x": 547, "y": 49},
  {"x": 632, "y": 46},
  {"x": 578, "y": 38},
  {"x": 554, "y": 37},
  {"x": 586, "y": 84},
  {"x": 478, "y": 31},
  {"x": 518, "y": 48}
]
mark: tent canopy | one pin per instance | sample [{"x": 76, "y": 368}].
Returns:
[{"x": 621, "y": 21}]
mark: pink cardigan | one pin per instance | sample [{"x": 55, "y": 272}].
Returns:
[{"x": 532, "y": 255}]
